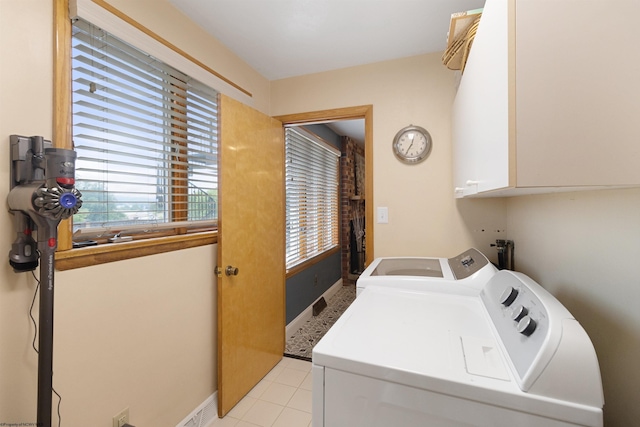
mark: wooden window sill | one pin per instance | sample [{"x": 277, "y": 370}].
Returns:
[{"x": 110, "y": 252}]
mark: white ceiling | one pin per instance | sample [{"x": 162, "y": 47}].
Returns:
[{"x": 286, "y": 38}]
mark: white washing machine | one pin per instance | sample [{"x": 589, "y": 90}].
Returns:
[
  {"x": 466, "y": 273},
  {"x": 510, "y": 356}
]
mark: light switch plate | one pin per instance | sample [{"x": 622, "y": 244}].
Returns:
[{"x": 383, "y": 215}]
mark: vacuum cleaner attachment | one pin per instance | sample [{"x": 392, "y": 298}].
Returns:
[{"x": 23, "y": 255}]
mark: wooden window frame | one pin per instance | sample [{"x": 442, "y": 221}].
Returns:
[
  {"x": 68, "y": 257},
  {"x": 348, "y": 113}
]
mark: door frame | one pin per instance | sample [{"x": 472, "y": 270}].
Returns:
[{"x": 348, "y": 113}]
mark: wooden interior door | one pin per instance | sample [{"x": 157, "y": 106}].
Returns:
[{"x": 251, "y": 238}]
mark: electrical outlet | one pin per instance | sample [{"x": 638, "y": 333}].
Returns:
[{"x": 122, "y": 418}]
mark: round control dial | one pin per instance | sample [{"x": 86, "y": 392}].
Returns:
[
  {"x": 526, "y": 326},
  {"x": 508, "y": 296},
  {"x": 519, "y": 312}
]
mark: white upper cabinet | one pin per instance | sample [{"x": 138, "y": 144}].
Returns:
[{"x": 549, "y": 99}]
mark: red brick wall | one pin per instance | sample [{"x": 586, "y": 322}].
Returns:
[{"x": 348, "y": 205}]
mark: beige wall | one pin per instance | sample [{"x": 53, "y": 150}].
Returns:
[
  {"x": 584, "y": 248},
  {"x": 424, "y": 217},
  {"x": 140, "y": 334}
]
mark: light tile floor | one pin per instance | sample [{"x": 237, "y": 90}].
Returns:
[{"x": 281, "y": 399}]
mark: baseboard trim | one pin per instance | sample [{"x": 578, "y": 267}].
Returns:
[
  {"x": 204, "y": 415},
  {"x": 299, "y": 321}
]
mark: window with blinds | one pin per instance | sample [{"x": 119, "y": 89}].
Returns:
[
  {"x": 146, "y": 140},
  {"x": 312, "y": 186}
]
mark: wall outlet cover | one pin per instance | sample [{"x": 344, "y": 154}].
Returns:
[{"x": 121, "y": 418}]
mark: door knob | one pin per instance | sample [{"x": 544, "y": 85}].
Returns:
[{"x": 231, "y": 271}]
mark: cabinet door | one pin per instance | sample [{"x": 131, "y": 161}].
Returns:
[
  {"x": 481, "y": 116},
  {"x": 578, "y": 95},
  {"x": 464, "y": 148}
]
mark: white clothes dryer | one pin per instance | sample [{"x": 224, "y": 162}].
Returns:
[{"x": 510, "y": 356}]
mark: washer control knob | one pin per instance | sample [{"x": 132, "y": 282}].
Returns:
[
  {"x": 519, "y": 312},
  {"x": 508, "y": 296},
  {"x": 526, "y": 326}
]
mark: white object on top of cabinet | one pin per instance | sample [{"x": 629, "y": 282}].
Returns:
[{"x": 549, "y": 99}]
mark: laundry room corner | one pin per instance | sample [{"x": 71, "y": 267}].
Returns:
[{"x": 582, "y": 247}]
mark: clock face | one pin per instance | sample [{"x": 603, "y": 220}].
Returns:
[{"x": 412, "y": 144}]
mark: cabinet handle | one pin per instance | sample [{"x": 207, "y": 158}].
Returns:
[
  {"x": 458, "y": 190},
  {"x": 471, "y": 182}
]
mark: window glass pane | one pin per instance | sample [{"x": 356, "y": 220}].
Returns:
[
  {"x": 145, "y": 134},
  {"x": 312, "y": 186},
  {"x": 203, "y": 157}
]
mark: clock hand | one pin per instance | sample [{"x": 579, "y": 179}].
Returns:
[{"x": 413, "y": 135}]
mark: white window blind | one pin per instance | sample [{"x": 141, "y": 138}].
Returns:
[
  {"x": 146, "y": 139},
  {"x": 312, "y": 186}
]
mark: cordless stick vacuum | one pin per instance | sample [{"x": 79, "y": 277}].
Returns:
[{"x": 42, "y": 194}]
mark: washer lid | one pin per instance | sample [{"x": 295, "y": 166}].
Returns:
[
  {"x": 422, "y": 267},
  {"x": 403, "y": 331}
]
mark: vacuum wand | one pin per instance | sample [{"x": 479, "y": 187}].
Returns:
[{"x": 42, "y": 194}]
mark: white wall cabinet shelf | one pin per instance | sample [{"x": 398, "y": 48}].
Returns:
[{"x": 549, "y": 99}]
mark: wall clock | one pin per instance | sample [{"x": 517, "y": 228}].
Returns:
[{"x": 412, "y": 144}]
